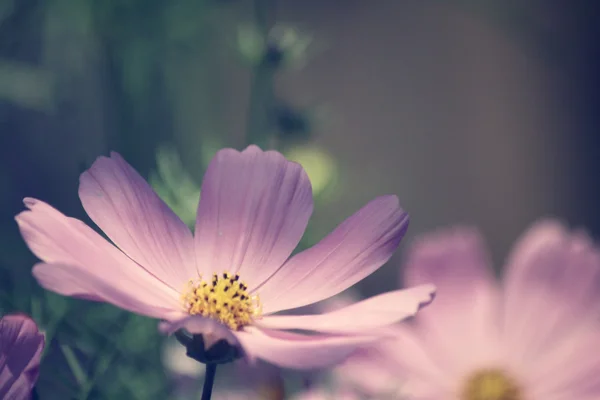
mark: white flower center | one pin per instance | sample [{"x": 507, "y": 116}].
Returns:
[{"x": 225, "y": 299}]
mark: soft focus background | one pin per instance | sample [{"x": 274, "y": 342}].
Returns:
[{"x": 476, "y": 112}]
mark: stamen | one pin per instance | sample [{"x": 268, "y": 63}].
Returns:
[{"x": 226, "y": 299}]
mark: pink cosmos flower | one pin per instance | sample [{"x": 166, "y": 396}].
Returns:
[
  {"x": 21, "y": 345},
  {"x": 229, "y": 278},
  {"x": 534, "y": 337}
]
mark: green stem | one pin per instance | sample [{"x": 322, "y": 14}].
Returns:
[
  {"x": 209, "y": 381},
  {"x": 258, "y": 125},
  {"x": 74, "y": 365},
  {"x": 108, "y": 353},
  {"x": 102, "y": 366}
]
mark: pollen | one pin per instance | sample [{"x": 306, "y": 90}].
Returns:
[
  {"x": 490, "y": 384},
  {"x": 225, "y": 298}
]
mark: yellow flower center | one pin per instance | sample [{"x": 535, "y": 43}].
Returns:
[
  {"x": 225, "y": 299},
  {"x": 490, "y": 384}
]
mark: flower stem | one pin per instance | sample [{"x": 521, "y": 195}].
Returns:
[
  {"x": 209, "y": 380},
  {"x": 73, "y": 363},
  {"x": 258, "y": 126}
]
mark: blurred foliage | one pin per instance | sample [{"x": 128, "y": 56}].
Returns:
[
  {"x": 26, "y": 86},
  {"x": 282, "y": 46},
  {"x": 175, "y": 185},
  {"x": 320, "y": 167}
]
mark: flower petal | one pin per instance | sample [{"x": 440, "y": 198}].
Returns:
[
  {"x": 21, "y": 346},
  {"x": 77, "y": 254},
  {"x": 253, "y": 211},
  {"x": 465, "y": 312},
  {"x": 82, "y": 283},
  {"x": 375, "y": 312},
  {"x": 126, "y": 208},
  {"x": 392, "y": 365},
  {"x": 355, "y": 249},
  {"x": 211, "y": 330},
  {"x": 372, "y": 373},
  {"x": 290, "y": 350},
  {"x": 323, "y": 394},
  {"x": 548, "y": 375},
  {"x": 552, "y": 287},
  {"x": 414, "y": 358}
]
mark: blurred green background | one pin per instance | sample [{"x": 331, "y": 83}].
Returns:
[{"x": 479, "y": 112}]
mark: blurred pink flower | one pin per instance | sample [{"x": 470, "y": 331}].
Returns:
[
  {"x": 535, "y": 337},
  {"x": 309, "y": 394},
  {"x": 227, "y": 279},
  {"x": 21, "y": 345},
  {"x": 325, "y": 394}
]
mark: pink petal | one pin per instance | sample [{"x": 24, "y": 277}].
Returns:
[
  {"x": 289, "y": 350},
  {"x": 414, "y": 358},
  {"x": 552, "y": 287},
  {"x": 126, "y": 208},
  {"x": 253, "y": 211},
  {"x": 397, "y": 362},
  {"x": 547, "y": 374},
  {"x": 74, "y": 281},
  {"x": 211, "y": 330},
  {"x": 21, "y": 346},
  {"x": 372, "y": 313},
  {"x": 462, "y": 322},
  {"x": 372, "y": 373},
  {"x": 76, "y": 255},
  {"x": 354, "y": 250},
  {"x": 323, "y": 394}
]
